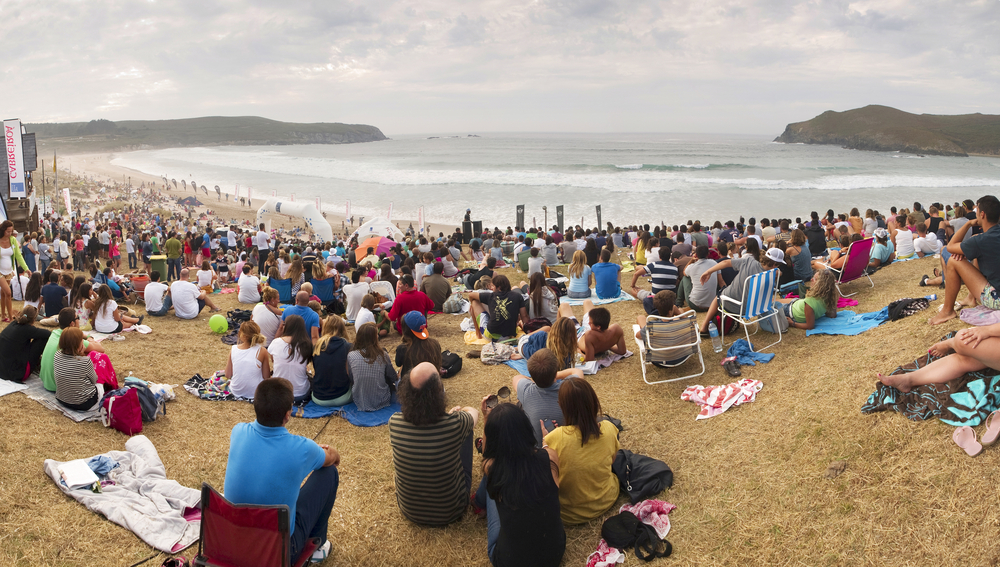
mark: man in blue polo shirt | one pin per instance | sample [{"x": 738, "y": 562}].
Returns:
[
  {"x": 267, "y": 465},
  {"x": 302, "y": 309}
]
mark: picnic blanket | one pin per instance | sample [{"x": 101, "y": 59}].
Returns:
[
  {"x": 849, "y": 323},
  {"x": 36, "y": 391},
  {"x": 745, "y": 356},
  {"x": 623, "y": 296},
  {"x": 979, "y": 316},
  {"x": 8, "y": 387},
  {"x": 966, "y": 400},
  {"x": 351, "y": 413},
  {"x": 215, "y": 388},
  {"x": 717, "y": 399},
  {"x": 140, "y": 497}
]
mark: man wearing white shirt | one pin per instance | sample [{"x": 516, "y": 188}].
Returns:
[
  {"x": 156, "y": 295},
  {"x": 263, "y": 242},
  {"x": 188, "y": 299},
  {"x": 249, "y": 286},
  {"x": 230, "y": 239}
]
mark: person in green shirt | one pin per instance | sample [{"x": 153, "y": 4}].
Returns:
[
  {"x": 155, "y": 241},
  {"x": 67, "y": 319},
  {"x": 174, "y": 248},
  {"x": 820, "y": 300}
]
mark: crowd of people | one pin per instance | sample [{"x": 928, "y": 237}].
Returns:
[{"x": 546, "y": 461}]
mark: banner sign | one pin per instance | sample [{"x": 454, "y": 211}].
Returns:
[
  {"x": 598, "y": 217},
  {"x": 347, "y": 214},
  {"x": 519, "y": 221},
  {"x": 69, "y": 207},
  {"x": 420, "y": 219},
  {"x": 317, "y": 204},
  {"x": 559, "y": 217},
  {"x": 389, "y": 216},
  {"x": 248, "y": 194},
  {"x": 236, "y": 195},
  {"x": 15, "y": 157}
]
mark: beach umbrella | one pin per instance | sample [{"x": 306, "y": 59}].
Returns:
[{"x": 379, "y": 243}]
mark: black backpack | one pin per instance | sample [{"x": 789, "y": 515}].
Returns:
[
  {"x": 625, "y": 530},
  {"x": 451, "y": 364}
]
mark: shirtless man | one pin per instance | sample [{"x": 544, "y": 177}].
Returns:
[{"x": 598, "y": 334}]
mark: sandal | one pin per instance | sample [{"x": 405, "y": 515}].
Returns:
[
  {"x": 732, "y": 367},
  {"x": 992, "y": 430},
  {"x": 965, "y": 437},
  {"x": 923, "y": 281}
]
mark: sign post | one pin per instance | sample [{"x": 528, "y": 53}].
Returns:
[
  {"x": 559, "y": 217},
  {"x": 519, "y": 222},
  {"x": 598, "y": 217}
]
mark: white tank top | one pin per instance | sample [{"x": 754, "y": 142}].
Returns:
[
  {"x": 7, "y": 260},
  {"x": 246, "y": 371}
]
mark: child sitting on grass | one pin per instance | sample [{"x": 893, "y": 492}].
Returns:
[{"x": 820, "y": 300}]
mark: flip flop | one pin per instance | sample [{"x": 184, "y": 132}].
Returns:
[
  {"x": 965, "y": 437},
  {"x": 923, "y": 281},
  {"x": 992, "y": 430}
]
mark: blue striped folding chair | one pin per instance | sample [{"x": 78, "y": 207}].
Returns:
[
  {"x": 756, "y": 305},
  {"x": 669, "y": 342}
]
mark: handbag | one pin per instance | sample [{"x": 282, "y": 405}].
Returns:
[
  {"x": 625, "y": 530},
  {"x": 451, "y": 364},
  {"x": 640, "y": 476},
  {"x": 120, "y": 410}
]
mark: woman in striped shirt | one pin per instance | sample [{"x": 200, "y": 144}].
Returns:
[
  {"x": 374, "y": 376},
  {"x": 76, "y": 379}
]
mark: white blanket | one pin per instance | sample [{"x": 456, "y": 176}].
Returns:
[
  {"x": 8, "y": 387},
  {"x": 142, "y": 500}
]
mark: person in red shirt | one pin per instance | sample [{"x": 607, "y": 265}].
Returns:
[{"x": 408, "y": 300}]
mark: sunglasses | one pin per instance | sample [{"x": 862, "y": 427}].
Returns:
[{"x": 494, "y": 399}]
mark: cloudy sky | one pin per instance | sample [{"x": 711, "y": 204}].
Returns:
[{"x": 725, "y": 66}]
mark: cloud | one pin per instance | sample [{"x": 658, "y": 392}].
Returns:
[{"x": 442, "y": 65}]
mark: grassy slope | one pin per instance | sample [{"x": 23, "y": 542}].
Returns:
[
  {"x": 206, "y": 131},
  {"x": 883, "y": 128}
]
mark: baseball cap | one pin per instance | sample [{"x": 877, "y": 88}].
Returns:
[
  {"x": 776, "y": 255},
  {"x": 417, "y": 323}
]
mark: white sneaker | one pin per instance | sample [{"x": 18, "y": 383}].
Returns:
[{"x": 321, "y": 553}]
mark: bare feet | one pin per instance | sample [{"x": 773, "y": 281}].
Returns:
[
  {"x": 945, "y": 315},
  {"x": 942, "y": 348},
  {"x": 969, "y": 301},
  {"x": 900, "y": 382}
]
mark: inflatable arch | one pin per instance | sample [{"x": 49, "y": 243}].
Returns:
[
  {"x": 306, "y": 210},
  {"x": 378, "y": 227}
]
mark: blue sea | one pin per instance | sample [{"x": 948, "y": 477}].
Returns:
[{"x": 636, "y": 178}]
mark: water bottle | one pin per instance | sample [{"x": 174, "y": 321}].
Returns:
[
  {"x": 931, "y": 297},
  {"x": 713, "y": 332}
]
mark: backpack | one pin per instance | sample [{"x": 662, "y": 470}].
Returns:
[
  {"x": 237, "y": 317},
  {"x": 558, "y": 288},
  {"x": 150, "y": 406},
  {"x": 453, "y": 304},
  {"x": 451, "y": 364},
  {"x": 640, "y": 476},
  {"x": 120, "y": 410},
  {"x": 625, "y": 530}
]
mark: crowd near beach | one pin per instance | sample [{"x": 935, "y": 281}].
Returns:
[{"x": 529, "y": 310}]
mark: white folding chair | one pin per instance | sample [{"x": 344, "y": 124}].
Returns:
[
  {"x": 669, "y": 342},
  {"x": 756, "y": 305}
]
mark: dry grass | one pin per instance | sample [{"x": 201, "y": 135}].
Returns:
[{"x": 749, "y": 484}]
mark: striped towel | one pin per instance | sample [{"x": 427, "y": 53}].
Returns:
[{"x": 717, "y": 399}]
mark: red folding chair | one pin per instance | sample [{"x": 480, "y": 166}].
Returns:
[{"x": 245, "y": 535}]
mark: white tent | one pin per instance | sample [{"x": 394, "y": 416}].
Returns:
[
  {"x": 304, "y": 209},
  {"x": 378, "y": 227}
]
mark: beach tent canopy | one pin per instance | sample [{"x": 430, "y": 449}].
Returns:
[
  {"x": 306, "y": 210},
  {"x": 379, "y": 227},
  {"x": 189, "y": 201},
  {"x": 379, "y": 243}
]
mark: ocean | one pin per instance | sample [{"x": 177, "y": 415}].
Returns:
[{"x": 635, "y": 178}]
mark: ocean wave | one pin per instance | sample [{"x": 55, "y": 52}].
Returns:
[
  {"x": 853, "y": 182},
  {"x": 684, "y": 166}
]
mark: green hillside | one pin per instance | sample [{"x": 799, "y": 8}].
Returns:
[
  {"x": 104, "y": 135},
  {"x": 881, "y": 128}
]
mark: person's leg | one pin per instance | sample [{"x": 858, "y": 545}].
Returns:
[
  {"x": 163, "y": 310},
  {"x": 6, "y": 299},
  {"x": 684, "y": 290},
  {"x": 948, "y": 368},
  {"x": 35, "y": 354},
  {"x": 616, "y": 330},
  {"x": 205, "y": 300},
  {"x": 587, "y": 306},
  {"x": 313, "y": 508},
  {"x": 713, "y": 310},
  {"x": 958, "y": 272},
  {"x": 475, "y": 309},
  {"x": 492, "y": 527}
]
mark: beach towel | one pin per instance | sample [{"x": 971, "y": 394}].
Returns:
[
  {"x": 351, "y": 413},
  {"x": 140, "y": 497},
  {"x": 623, "y": 296},
  {"x": 717, "y": 399},
  {"x": 744, "y": 354},
  {"x": 966, "y": 400},
  {"x": 215, "y": 388},
  {"x": 36, "y": 391},
  {"x": 650, "y": 512},
  {"x": 8, "y": 387},
  {"x": 849, "y": 323},
  {"x": 979, "y": 316},
  {"x": 589, "y": 368},
  {"x": 519, "y": 366}
]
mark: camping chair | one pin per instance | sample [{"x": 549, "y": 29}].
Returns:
[
  {"x": 323, "y": 289},
  {"x": 245, "y": 535},
  {"x": 856, "y": 264},
  {"x": 756, "y": 305},
  {"x": 384, "y": 289},
  {"x": 284, "y": 288},
  {"x": 669, "y": 343}
]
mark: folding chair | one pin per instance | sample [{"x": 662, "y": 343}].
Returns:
[
  {"x": 244, "y": 535},
  {"x": 856, "y": 264},
  {"x": 669, "y": 342},
  {"x": 323, "y": 289},
  {"x": 756, "y": 305},
  {"x": 284, "y": 288}
]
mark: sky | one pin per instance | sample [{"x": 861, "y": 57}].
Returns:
[{"x": 707, "y": 66}]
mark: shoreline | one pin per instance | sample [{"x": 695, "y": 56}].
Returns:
[{"x": 99, "y": 167}]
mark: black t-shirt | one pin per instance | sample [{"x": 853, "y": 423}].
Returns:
[
  {"x": 532, "y": 534},
  {"x": 934, "y": 224},
  {"x": 52, "y": 295},
  {"x": 471, "y": 284},
  {"x": 505, "y": 309}
]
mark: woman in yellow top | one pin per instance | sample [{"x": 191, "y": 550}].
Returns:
[
  {"x": 10, "y": 258},
  {"x": 586, "y": 448},
  {"x": 641, "y": 245}
]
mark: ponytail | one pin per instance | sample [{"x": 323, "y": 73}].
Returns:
[{"x": 27, "y": 315}]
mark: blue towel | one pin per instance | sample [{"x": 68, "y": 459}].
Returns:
[
  {"x": 849, "y": 323},
  {"x": 745, "y": 356},
  {"x": 623, "y": 296},
  {"x": 351, "y": 413},
  {"x": 521, "y": 366}
]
